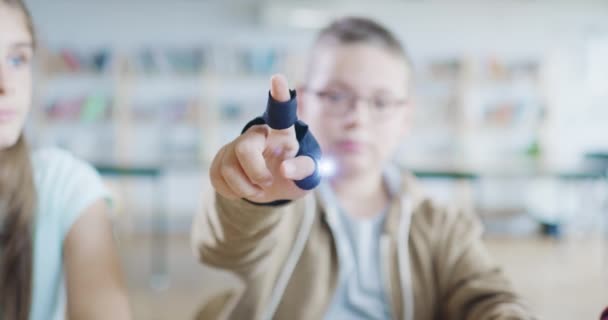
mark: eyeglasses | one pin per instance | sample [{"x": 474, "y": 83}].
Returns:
[{"x": 340, "y": 103}]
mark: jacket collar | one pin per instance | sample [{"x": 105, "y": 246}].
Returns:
[{"x": 399, "y": 183}]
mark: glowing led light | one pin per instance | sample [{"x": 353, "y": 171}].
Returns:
[{"x": 327, "y": 167}]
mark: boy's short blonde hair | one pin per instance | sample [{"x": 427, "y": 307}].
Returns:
[{"x": 359, "y": 30}]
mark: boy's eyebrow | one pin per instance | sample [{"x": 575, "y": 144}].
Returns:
[
  {"x": 385, "y": 92},
  {"x": 382, "y": 91},
  {"x": 338, "y": 83}
]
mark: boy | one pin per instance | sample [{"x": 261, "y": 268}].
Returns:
[{"x": 366, "y": 244}]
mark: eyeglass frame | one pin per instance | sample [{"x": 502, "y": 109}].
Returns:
[{"x": 352, "y": 99}]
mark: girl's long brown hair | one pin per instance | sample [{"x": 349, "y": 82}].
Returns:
[{"x": 17, "y": 207}]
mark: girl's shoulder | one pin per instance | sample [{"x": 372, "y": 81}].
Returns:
[
  {"x": 65, "y": 185},
  {"x": 59, "y": 167},
  {"x": 49, "y": 157}
]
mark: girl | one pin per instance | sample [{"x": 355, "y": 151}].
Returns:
[
  {"x": 367, "y": 244},
  {"x": 56, "y": 248}
]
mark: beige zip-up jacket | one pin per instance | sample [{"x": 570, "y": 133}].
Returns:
[{"x": 436, "y": 262}]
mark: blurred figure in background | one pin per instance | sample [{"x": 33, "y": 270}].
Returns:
[
  {"x": 367, "y": 244},
  {"x": 57, "y": 257}
]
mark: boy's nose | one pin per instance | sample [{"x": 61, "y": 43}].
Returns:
[{"x": 359, "y": 114}]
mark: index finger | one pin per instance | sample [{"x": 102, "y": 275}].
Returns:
[
  {"x": 279, "y": 88},
  {"x": 249, "y": 151},
  {"x": 281, "y": 111}
]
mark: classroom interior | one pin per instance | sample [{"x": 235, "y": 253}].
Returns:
[{"x": 511, "y": 123}]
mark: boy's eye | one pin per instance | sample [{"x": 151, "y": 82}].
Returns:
[
  {"x": 336, "y": 97},
  {"x": 381, "y": 102}
]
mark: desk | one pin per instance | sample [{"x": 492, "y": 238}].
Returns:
[
  {"x": 467, "y": 175},
  {"x": 159, "y": 278},
  {"x": 599, "y": 160}
]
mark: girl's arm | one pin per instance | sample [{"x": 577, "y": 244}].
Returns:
[{"x": 95, "y": 285}]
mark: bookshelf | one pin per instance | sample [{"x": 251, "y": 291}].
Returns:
[
  {"x": 174, "y": 107},
  {"x": 149, "y": 106}
]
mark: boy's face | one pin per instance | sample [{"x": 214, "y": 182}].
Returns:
[
  {"x": 16, "y": 50},
  {"x": 357, "y": 104}
]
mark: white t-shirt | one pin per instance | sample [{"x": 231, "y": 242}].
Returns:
[
  {"x": 360, "y": 292},
  {"x": 65, "y": 187}
]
